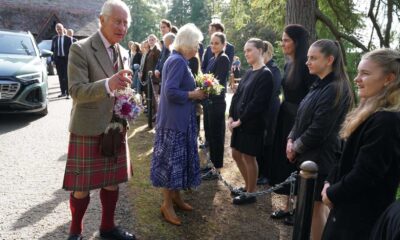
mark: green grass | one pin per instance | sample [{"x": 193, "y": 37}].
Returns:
[{"x": 398, "y": 193}]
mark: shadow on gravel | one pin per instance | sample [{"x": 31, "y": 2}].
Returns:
[
  {"x": 38, "y": 212},
  {"x": 63, "y": 158},
  {"x": 12, "y": 122}
]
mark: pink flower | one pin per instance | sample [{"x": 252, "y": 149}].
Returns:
[{"x": 126, "y": 108}]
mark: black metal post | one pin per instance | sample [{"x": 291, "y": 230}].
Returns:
[
  {"x": 149, "y": 100},
  {"x": 305, "y": 200}
]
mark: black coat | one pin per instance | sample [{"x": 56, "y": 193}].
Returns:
[
  {"x": 136, "y": 59},
  {"x": 365, "y": 181},
  {"x": 315, "y": 132},
  {"x": 248, "y": 103}
]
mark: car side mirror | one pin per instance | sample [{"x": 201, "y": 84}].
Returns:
[{"x": 45, "y": 53}]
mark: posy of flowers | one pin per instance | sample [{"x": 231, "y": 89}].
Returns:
[
  {"x": 127, "y": 105},
  {"x": 209, "y": 84}
]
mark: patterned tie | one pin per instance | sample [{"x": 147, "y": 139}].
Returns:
[{"x": 115, "y": 57}]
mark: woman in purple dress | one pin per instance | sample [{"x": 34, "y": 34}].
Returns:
[{"x": 175, "y": 162}]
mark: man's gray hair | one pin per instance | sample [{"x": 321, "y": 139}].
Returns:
[{"x": 108, "y": 6}]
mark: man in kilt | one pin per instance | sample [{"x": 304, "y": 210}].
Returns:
[{"x": 95, "y": 72}]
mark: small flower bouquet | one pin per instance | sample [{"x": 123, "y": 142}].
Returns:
[
  {"x": 127, "y": 105},
  {"x": 209, "y": 84}
]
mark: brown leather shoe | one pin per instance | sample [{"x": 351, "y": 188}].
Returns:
[
  {"x": 169, "y": 218},
  {"x": 183, "y": 206}
]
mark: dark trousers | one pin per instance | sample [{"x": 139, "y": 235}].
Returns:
[
  {"x": 62, "y": 66},
  {"x": 216, "y": 126}
]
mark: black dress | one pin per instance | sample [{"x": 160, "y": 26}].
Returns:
[
  {"x": 248, "y": 104},
  {"x": 365, "y": 181},
  {"x": 294, "y": 91}
]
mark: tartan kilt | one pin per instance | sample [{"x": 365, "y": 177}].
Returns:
[{"x": 87, "y": 169}]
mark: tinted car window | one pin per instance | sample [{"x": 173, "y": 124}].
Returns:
[{"x": 16, "y": 44}]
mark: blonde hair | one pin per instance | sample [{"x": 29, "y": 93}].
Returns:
[
  {"x": 269, "y": 49},
  {"x": 388, "y": 99},
  {"x": 188, "y": 38}
]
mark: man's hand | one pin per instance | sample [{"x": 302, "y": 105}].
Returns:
[
  {"x": 120, "y": 80},
  {"x": 157, "y": 74}
]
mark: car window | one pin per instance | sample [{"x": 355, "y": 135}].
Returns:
[
  {"x": 45, "y": 44},
  {"x": 16, "y": 44}
]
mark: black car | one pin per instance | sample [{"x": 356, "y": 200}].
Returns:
[
  {"x": 46, "y": 45},
  {"x": 23, "y": 74}
]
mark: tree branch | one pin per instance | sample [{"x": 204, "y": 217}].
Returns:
[
  {"x": 325, "y": 20},
  {"x": 389, "y": 23},
  {"x": 374, "y": 22}
]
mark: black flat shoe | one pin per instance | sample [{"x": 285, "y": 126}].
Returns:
[
  {"x": 243, "y": 199},
  {"x": 237, "y": 191},
  {"x": 117, "y": 234},
  {"x": 279, "y": 214},
  {"x": 75, "y": 237}
]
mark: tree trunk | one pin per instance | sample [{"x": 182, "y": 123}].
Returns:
[{"x": 302, "y": 12}]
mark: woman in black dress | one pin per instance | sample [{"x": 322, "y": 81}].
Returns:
[
  {"x": 315, "y": 134},
  {"x": 246, "y": 117},
  {"x": 295, "y": 83},
  {"x": 364, "y": 182},
  {"x": 214, "y": 111}
]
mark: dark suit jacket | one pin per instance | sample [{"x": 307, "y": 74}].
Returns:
[
  {"x": 219, "y": 67},
  {"x": 54, "y": 46},
  {"x": 365, "y": 181}
]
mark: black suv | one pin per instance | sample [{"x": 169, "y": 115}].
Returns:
[{"x": 23, "y": 74}]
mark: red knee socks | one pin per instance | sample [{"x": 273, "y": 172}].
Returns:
[
  {"x": 78, "y": 208},
  {"x": 108, "y": 202}
]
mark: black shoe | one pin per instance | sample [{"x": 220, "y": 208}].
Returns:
[
  {"x": 75, "y": 237},
  {"x": 262, "y": 181},
  {"x": 210, "y": 175},
  {"x": 117, "y": 234},
  {"x": 205, "y": 169},
  {"x": 289, "y": 220},
  {"x": 67, "y": 97},
  {"x": 243, "y": 199},
  {"x": 279, "y": 214},
  {"x": 237, "y": 191},
  {"x": 62, "y": 95}
]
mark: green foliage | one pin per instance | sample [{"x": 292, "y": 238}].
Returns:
[
  {"x": 145, "y": 20},
  {"x": 190, "y": 11}
]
